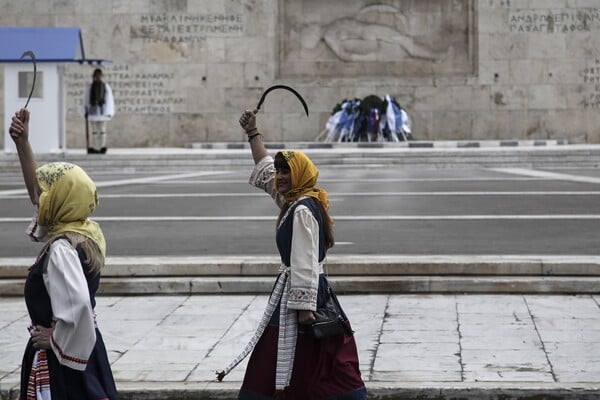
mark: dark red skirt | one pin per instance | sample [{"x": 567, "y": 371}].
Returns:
[{"x": 323, "y": 369}]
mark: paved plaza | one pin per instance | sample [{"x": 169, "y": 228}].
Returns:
[{"x": 431, "y": 341}]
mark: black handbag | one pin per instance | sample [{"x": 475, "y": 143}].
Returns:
[{"x": 330, "y": 319}]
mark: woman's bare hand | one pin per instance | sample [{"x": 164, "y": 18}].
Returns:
[
  {"x": 19, "y": 126},
  {"x": 41, "y": 336},
  {"x": 248, "y": 120},
  {"x": 306, "y": 317}
]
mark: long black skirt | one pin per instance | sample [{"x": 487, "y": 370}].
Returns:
[{"x": 95, "y": 383}]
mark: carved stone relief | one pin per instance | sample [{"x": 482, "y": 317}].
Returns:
[{"x": 338, "y": 38}]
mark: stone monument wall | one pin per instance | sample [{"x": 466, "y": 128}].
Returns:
[{"x": 183, "y": 70}]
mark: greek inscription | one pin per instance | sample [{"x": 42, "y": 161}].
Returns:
[
  {"x": 591, "y": 78},
  {"x": 134, "y": 92},
  {"x": 184, "y": 28},
  {"x": 553, "y": 21}
]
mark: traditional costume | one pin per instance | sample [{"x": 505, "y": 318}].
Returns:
[
  {"x": 285, "y": 355},
  {"x": 99, "y": 106},
  {"x": 60, "y": 290}
]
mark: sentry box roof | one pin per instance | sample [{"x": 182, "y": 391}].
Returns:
[{"x": 49, "y": 44}]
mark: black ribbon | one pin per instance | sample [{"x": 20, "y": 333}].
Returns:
[
  {"x": 30, "y": 54},
  {"x": 289, "y": 89}
]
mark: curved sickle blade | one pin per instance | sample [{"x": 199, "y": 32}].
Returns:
[
  {"x": 30, "y": 54},
  {"x": 289, "y": 89}
]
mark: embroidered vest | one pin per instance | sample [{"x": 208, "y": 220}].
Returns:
[{"x": 286, "y": 228}]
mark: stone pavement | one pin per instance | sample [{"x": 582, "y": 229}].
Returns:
[{"x": 425, "y": 346}]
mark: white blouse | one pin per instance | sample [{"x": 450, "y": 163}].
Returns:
[
  {"x": 74, "y": 334},
  {"x": 304, "y": 258}
]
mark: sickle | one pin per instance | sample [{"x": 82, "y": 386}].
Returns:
[
  {"x": 264, "y": 96},
  {"x": 30, "y": 54}
]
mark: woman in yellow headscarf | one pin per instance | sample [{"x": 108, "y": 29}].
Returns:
[
  {"x": 288, "y": 360},
  {"x": 65, "y": 356}
]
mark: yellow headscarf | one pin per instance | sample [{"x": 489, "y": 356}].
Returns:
[
  {"x": 304, "y": 176},
  {"x": 68, "y": 198}
]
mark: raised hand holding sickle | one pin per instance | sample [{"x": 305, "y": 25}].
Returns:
[
  {"x": 247, "y": 120},
  {"x": 19, "y": 127}
]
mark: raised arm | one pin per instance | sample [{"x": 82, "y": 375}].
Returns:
[
  {"x": 248, "y": 123},
  {"x": 19, "y": 132}
]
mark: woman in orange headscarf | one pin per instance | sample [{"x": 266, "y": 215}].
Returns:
[
  {"x": 65, "y": 357},
  {"x": 288, "y": 360}
]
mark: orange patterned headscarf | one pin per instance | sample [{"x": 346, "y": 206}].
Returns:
[{"x": 304, "y": 176}]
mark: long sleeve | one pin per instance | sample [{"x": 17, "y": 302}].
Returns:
[
  {"x": 263, "y": 177},
  {"x": 304, "y": 261},
  {"x": 74, "y": 334}
]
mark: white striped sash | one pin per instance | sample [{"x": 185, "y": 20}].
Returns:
[{"x": 288, "y": 332}]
